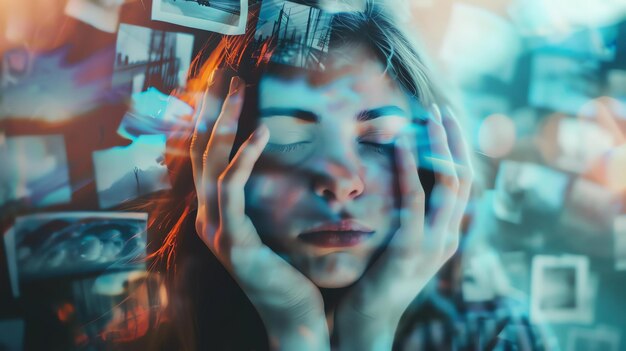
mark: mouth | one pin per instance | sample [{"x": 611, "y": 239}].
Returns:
[{"x": 346, "y": 233}]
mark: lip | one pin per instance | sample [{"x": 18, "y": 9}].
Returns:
[{"x": 345, "y": 233}]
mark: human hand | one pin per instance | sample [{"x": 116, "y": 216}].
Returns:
[
  {"x": 289, "y": 304},
  {"x": 367, "y": 317}
]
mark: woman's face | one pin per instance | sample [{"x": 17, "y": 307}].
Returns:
[{"x": 324, "y": 193}]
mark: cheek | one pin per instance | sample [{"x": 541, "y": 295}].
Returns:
[
  {"x": 271, "y": 200},
  {"x": 380, "y": 177}
]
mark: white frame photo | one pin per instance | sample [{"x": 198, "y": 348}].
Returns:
[{"x": 159, "y": 13}]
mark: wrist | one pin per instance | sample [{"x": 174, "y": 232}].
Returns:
[
  {"x": 310, "y": 334},
  {"x": 360, "y": 332}
]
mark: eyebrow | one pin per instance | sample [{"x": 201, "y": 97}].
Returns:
[
  {"x": 390, "y": 110},
  {"x": 363, "y": 116}
]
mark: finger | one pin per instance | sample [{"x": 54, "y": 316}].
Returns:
[
  {"x": 231, "y": 199},
  {"x": 445, "y": 191},
  {"x": 206, "y": 113},
  {"x": 219, "y": 147},
  {"x": 461, "y": 155},
  {"x": 412, "y": 197}
]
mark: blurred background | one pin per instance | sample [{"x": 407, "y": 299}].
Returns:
[{"x": 89, "y": 90}]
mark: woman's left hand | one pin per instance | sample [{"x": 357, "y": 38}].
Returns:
[{"x": 367, "y": 318}]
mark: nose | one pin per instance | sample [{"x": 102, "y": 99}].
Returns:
[{"x": 339, "y": 181}]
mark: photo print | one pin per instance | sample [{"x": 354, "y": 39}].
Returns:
[
  {"x": 62, "y": 244},
  {"x": 117, "y": 307},
  {"x": 523, "y": 188},
  {"x": 220, "y": 16},
  {"x": 298, "y": 34},
  {"x": 581, "y": 142},
  {"x": 34, "y": 171},
  {"x": 147, "y": 58},
  {"x": 127, "y": 172},
  {"x": 560, "y": 288}
]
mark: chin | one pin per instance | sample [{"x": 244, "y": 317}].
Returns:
[{"x": 337, "y": 270}]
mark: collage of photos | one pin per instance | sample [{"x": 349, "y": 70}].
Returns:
[{"x": 519, "y": 105}]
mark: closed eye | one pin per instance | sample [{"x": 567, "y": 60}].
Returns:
[{"x": 271, "y": 147}]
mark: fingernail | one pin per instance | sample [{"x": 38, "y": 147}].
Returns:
[
  {"x": 261, "y": 132},
  {"x": 234, "y": 85}
]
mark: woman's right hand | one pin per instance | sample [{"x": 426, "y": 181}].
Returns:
[{"x": 289, "y": 304}]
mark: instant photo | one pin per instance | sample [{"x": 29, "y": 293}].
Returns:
[
  {"x": 220, "y": 16},
  {"x": 34, "y": 171},
  {"x": 559, "y": 288},
  {"x": 298, "y": 34},
  {"x": 147, "y": 58},
  {"x": 49, "y": 245},
  {"x": 126, "y": 172}
]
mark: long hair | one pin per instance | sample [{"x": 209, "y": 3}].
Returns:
[{"x": 206, "y": 306}]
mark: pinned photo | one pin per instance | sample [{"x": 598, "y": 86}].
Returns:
[
  {"x": 127, "y": 172},
  {"x": 147, "y": 58},
  {"x": 220, "y": 16},
  {"x": 34, "y": 171},
  {"x": 559, "y": 289},
  {"x": 62, "y": 244},
  {"x": 298, "y": 34}
]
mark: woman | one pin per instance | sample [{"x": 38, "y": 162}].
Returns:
[{"x": 314, "y": 219}]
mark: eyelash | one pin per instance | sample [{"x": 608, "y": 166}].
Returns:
[
  {"x": 285, "y": 148},
  {"x": 383, "y": 149}
]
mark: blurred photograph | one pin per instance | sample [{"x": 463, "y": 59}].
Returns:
[
  {"x": 146, "y": 57},
  {"x": 559, "y": 288},
  {"x": 126, "y": 172},
  {"x": 298, "y": 34},
  {"x": 220, "y": 16},
  {"x": 34, "y": 171}
]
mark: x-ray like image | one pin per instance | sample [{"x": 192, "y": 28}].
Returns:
[
  {"x": 619, "y": 238},
  {"x": 147, "y": 58},
  {"x": 559, "y": 291},
  {"x": 42, "y": 246},
  {"x": 299, "y": 35},
  {"x": 101, "y": 14},
  {"x": 562, "y": 83},
  {"x": 601, "y": 338},
  {"x": 126, "y": 172},
  {"x": 34, "y": 171},
  {"x": 221, "y": 16},
  {"x": 527, "y": 188}
]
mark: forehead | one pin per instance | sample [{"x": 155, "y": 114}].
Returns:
[{"x": 354, "y": 78}]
